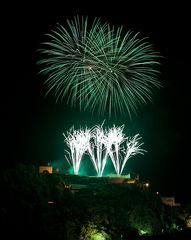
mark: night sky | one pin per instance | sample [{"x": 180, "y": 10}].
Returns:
[{"x": 32, "y": 124}]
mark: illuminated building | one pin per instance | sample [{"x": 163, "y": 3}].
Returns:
[
  {"x": 45, "y": 169},
  {"x": 170, "y": 201}
]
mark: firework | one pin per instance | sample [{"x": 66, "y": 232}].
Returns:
[
  {"x": 115, "y": 139},
  {"x": 99, "y": 67},
  {"x": 121, "y": 153},
  {"x": 100, "y": 150},
  {"x": 101, "y": 145},
  {"x": 78, "y": 142},
  {"x": 133, "y": 147}
]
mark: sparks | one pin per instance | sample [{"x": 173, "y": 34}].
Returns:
[
  {"x": 99, "y": 67},
  {"x": 101, "y": 145}
]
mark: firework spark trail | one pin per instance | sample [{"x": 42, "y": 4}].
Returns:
[
  {"x": 100, "y": 151},
  {"x": 78, "y": 142},
  {"x": 133, "y": 147},
  {"x": 99, "y": 67},
  {"x": 100, "y": 144},
  {"x": 115, "y": 138}
]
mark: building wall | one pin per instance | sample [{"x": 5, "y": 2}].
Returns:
[
  {"x": 170, "y": 201},
  {"x": 43, "y": 169}
]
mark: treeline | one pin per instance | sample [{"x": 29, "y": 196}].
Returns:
[{"x": 43, "y": 206}]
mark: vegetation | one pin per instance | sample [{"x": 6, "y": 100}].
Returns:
[{"x": 43, "y": 205}]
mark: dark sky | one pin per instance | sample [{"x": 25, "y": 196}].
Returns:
[{"x": 32, "y": 125}]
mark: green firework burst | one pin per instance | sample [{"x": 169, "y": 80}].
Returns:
[{"x": 99, "y": 67}]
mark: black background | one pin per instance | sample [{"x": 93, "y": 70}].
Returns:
[{"x": 32, "y": 125}]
